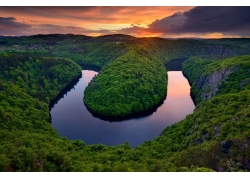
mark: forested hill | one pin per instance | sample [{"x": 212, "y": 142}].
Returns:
[
  {"x": 136, "y": 81},
  {"x": 242, "y": 42},
  {"x": 99, "y": 51},
  {"x": 130, "y": 84},
  {"x": 119, "y": 56},
  {"x": 34, "y": 69}
]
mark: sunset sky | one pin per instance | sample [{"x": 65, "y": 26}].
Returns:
[{"x": 139, "y": 21}]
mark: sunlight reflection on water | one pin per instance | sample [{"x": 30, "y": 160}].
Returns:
[{"x": 71, "y": 118}]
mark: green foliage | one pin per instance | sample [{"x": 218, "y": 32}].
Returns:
[
  {"x": 196, "y": 68},
  {"x": 132, "y": 83},
  {"x": 33, "y": 70}
]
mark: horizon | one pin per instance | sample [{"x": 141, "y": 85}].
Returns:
[
  {"x": 195, "y": 38},
  {"x": 175, "y": 22}
]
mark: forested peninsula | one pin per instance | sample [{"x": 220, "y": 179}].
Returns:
[{"x": 132, "y": 79}]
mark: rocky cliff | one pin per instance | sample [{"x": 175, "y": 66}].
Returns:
[
  {"x": 207, "y": 76},
  {"x": 209, "y": 84}
]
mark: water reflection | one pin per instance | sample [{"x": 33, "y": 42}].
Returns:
[{"x": 72, "y": 119}]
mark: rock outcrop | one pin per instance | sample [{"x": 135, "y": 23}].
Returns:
[{"x": 209, "y": 84}]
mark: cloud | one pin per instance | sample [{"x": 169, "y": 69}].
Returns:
[
  {"x": 225, "y": 20},
  {"x": 7, "y": 19},
  {"x": 137, "y": 21},
  {"x": 53, "y": 29},
  {"x": 168, "y": 24},
  {"x": 74, "y": 15},
  {"x": 9, "y": 26},
  {"x": 134, "y": 31}
]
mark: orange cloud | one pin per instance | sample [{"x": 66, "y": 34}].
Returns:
[
  {"x": 89, "y": 17},
  {"x": 166, "y": 22}
]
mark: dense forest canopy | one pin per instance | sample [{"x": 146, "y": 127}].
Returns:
[
  {"x": 132, "y": 78},
  {"x": 131, "y": 83}
]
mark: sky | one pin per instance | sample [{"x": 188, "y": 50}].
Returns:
[{"x": 138, "y": 21}]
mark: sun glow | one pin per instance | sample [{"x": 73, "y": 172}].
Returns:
[{"x": 138, "y": 21}]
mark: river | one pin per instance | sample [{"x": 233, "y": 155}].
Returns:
[{"x": 70, "y": 117}]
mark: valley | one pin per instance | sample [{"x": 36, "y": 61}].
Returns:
[{"x": 132, "y": 79}]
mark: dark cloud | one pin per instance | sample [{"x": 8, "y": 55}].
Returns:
[
  {"x": 7, "y": 19},
  {"x": 226, "y": 20},
  {"x": 220, "y": 19},
  {"x": 169, "y": 24},
  {"x": 9, "y": 26}
]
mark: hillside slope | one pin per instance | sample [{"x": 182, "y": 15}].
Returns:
[{"x": 214, "y": 138}]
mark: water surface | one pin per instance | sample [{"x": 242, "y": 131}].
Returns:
[{"x": 71, "y": 118}]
